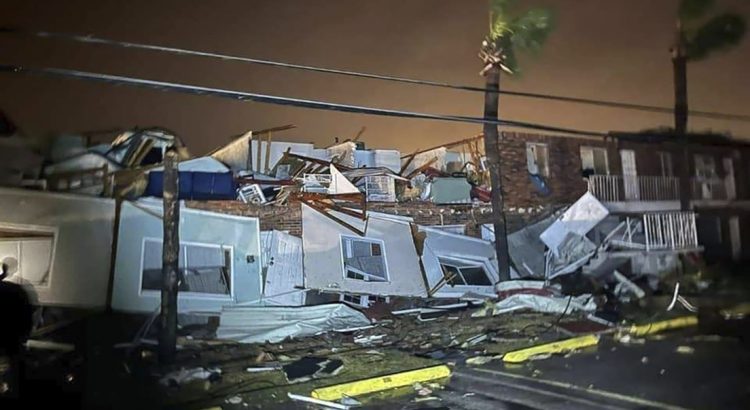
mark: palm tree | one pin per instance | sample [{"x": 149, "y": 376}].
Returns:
[
  {"x": 697, "y": 37},
  {"x": 509, "y": 32}
]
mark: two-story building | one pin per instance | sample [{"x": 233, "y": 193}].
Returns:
[{"x": 637, "y": 176}]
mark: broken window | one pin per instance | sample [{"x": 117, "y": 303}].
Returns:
[
  {"x": 364, "y": 259},
  {"x": 537, "y": 159},
  {"x": 594, "y": 161},
  {"x": 202, "y": 268},
  {"x": 665, "y": 159},
  {"x": 705, "y": 167},
  {"x": 464, "y": 273},
  {"x": 283, "y": 171},
  {"x": 27, "y": 254}
]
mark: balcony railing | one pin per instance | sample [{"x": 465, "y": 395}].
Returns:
[
  {"x": 616, "y": 188},
  {"x": 655, "y": 232},
  {"x": 670, "y": 230}
]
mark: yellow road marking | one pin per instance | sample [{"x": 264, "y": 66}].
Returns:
[
  {"x": 518, "y": 356},
  {"x": 656, "y": 327},
  {"x": 376, "y": 384}
]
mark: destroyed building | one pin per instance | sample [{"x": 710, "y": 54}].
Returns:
[{"x": 295, "y": 224}]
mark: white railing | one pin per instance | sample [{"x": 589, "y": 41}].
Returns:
[
  {"x": 317, "y": 183},
  {"x": 670, "y": 230},
  {"x": 616, "y": 188}
]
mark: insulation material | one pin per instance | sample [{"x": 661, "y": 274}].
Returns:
[
  {"x": 56, "y": 242},
  {"x": 200, "y": 164},
  {"x": 579, "y": 219},
  {"x": 235, "y": 154},
  {"x": 218, "y": 250},
  {"x": 84, "y": 161},
  {"x": 253, "y": 324},
  {"x": 339, "y": 183},
  {"x": 328, "y": 243},
  {"x": 435, "y": 157},
  {"x": 472, "y": 260},
  {"x": 545, "y": 304},
  {"x": 283, "y": 266},
  {"x": 344, "y": 153},
  {"x": 241, "y": 153}
]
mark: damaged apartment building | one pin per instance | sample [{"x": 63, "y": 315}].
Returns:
[{"x": 269, "y": 222}]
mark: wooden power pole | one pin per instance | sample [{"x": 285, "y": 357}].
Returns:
[
  {"x": 492, "y": 152},
  {"x": 170, "y": 255}
]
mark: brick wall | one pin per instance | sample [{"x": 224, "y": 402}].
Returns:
[
  {"x": 565, "y": 181},
  {"x": 289, "y": 216}
]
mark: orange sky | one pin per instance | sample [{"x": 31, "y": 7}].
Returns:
[{"x": 604, "y": 49}]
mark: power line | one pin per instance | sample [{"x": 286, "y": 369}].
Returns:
[
  {"x": 551, "y": 97},
  {"x": 272, "y": 99}
]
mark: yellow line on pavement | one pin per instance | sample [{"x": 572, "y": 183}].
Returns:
[
  {"x": 561, "y": 346},
  {"x": 656, "y": 327},
  {"x": 376, "y": 384}
]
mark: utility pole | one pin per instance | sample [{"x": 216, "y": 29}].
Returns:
[
  {"x": 679, "y": 67},
  {"x": 492, "y": 152},
  {"x": 170, "y": 255}
]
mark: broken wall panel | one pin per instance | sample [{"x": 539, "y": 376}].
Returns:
[
  {"x": 456, "y": 264},
  {"x": 219, "y": 261},
  {"x": 383, "y": 261},
  {"x": 60, "y": 244},
  {"x": 578, "y": 219}
]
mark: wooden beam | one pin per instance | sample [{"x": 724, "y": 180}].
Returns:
[
  {"x": 322, "y": 210},
  {"x": 268, "y": 153},
  {"x": 170, "y": 257},
  {"x": 448, "y": 145}
]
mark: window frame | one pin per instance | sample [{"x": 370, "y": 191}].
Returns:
[
  {"x": 183, "y": 255},
  {"x": 592, "y": 149},
  {"x": 457, "y": 262},
  {"x": 345, "y": 269},
  {"x": 532, "y": 152},
  {"x": 669, "y": 160},
  {"x": 38, "y": 229}
]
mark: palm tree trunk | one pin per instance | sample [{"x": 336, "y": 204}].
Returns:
[
  {"x": 679, "y": 68},
  {"x": 492, "y": 152}
]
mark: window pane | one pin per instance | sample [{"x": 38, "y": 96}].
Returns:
[
  {"x": 600, "y": 161},
  {"x": 475, "y": 276},
  {"x": 206, "y": 270},
  {"x": 365, "y": 256},
  {"x": 376, "y": 251},
  {"x": 453, "y": 277},
  {"x": 587, "y": 159}
]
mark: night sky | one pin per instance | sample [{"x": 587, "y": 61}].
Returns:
[{"x": 603, "y": 49}]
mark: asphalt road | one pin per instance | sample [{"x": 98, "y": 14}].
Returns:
[{"x": 652, "y": 375}]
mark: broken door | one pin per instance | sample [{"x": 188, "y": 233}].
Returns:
[
  {"x": 284, "y": 272},
  {"x": 629, "y": 175}
]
